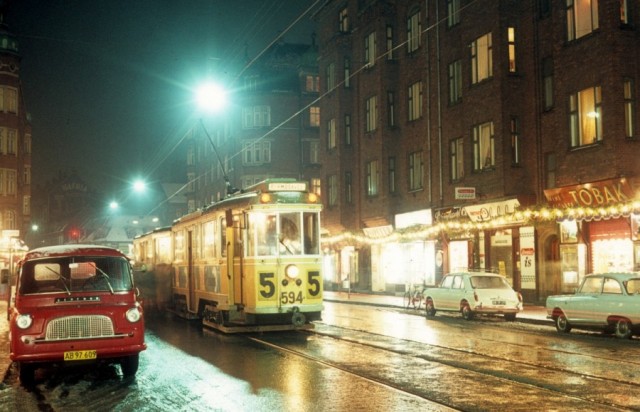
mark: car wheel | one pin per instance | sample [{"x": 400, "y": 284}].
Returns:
[
  {"x": 429, "y": 308},
  {"x": 27, "y": 373},
  {"x": 562, "y": 324},
  {"x": 623, "y": 328},
  {"x": 129, "y": 365},
  {"x": 467, "y": 313},
  {"x": 510, "y": 317}
]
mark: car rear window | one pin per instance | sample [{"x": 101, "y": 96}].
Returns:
[
  {"x": 633, "y": 286},
  {"x": 489, "y": 282}
]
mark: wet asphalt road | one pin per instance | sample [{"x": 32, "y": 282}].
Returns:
[{"x": 360, "y": 358}]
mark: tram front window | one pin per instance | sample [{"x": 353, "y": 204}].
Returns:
[{"x": 292, "y": 233}]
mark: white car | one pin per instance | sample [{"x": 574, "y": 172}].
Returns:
[
  {"x": 607, "y": 301},
  {"x": 473, "y": 293}
]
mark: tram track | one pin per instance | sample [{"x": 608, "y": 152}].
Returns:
[{"x": 461, "y": 378}]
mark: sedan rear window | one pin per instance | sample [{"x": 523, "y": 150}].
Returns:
[{"x": 489, "y": 282}]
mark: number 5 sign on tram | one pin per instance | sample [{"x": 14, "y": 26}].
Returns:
[{"x": 292, "y": 295}]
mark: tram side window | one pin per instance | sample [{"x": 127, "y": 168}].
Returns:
[
  {"x": 311, "y": 233},
  {"x": 209, "y": 236},
  {"x": 290, "y": 234},
  {"x": 223, "y": 236}
]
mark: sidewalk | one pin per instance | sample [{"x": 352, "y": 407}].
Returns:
[
  {"x": 5, "y": 362},
  {"x": 531, "y": 314}
]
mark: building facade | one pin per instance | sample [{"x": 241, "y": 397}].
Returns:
[
  {"x": 499, "y": 135},
  {"x": 270, "y": 128},
  {"x": 15, "y": 145}
]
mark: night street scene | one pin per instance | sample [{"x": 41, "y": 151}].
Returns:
[{"x": 320, "y": 205}]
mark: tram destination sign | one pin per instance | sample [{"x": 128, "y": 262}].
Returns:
[{"x": 287, "y": 186}]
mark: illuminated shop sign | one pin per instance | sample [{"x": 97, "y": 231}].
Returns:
[
  {"x": 603, "y": 193},
  {"x": 488, "y": 211}
]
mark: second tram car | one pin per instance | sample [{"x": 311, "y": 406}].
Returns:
[{"x": 246, "y": 263}]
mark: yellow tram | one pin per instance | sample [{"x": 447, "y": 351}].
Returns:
[{"x": 248, "y": 262}]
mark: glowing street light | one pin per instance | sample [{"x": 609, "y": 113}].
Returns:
[
  {"x": 139, "y": 186},
  {"x": 211, "y": 97}
]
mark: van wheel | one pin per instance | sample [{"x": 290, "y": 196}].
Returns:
[
  {"x": 129, "y": 365},
  {"x": 27, "y": 373}
]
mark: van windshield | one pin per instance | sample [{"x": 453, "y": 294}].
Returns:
[{"x": 75, "y": 274}]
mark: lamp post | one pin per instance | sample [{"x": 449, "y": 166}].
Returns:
[{"x": 212, "y": 98}]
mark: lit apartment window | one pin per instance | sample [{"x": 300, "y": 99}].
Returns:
[
  {"x": 390, "y": 43},
  {"x": 373, "y": 178},
  {"x": 481, "y": 59},
  {"x": 457, "y": 158},
  {"x": 392, "y": 174},
  {"x": 347, "y": 129},
  {"x": 547, "y": 82},
  {"x": 331, "y": 134},
  {"x": 453, "y": 12},
  {"x": 314, "y": 116},
  {"x": 348, "y": 187},
  {"x": 331, "y": 76},
  {"x": 257, "y": 152},
  {"x": 332, "y": 190},
  {"x": 256, "y": 116},
  {"x": 624, "y": 12},
  {"x": 316, "y": 186},
  {"x": 12, "y": 141},
  {"x": 391, "y": 109},
  {"x": 511, "y": 39},
  {"x": 370, "y": 49},
  {"x": 371, "y": 114},
  {"x": 483, "y": 147},
  {"x": 455, "y": 82},
  {"x": 582, "y": 18},
  {"x": 8, "y": 99},
  {"x": 343, "y": 20},
  {"x": 629, "y": 107},
  {"x": 514, "y": 126},
  {"x": 312, "y": 83},
  {"x": 585, "y": 117},
  {"x": 416, "y": 171},
  {"x": 413, "y": 32},
  {"x": 347, "y": 73},
  {"x": 415, "y": 101}
]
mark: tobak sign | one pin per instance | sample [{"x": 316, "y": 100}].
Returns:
[{"x": 603, "y": 193}]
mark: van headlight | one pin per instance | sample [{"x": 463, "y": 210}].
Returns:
[
  {"x": 133, "y": 315},
  {"x": 292, "y": 271},
  {"x": 24, "y": 321}
]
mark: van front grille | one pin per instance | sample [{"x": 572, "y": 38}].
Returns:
[{"x": 79, "y": 327}]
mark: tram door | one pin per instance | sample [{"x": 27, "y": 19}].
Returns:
[{"x": 191, "y": 272}]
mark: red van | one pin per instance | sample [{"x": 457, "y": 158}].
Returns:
[{"x": 74, "y": 304}]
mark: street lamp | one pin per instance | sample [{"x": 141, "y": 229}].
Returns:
[{"x": 212, "y": 98}]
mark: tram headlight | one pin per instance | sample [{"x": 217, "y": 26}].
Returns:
[
  {"x": 292, "y": 271},
  {"x": 313, "y": 198},
  {"x": 24, "y": 321},
  {"x": 265, "y": 198}
]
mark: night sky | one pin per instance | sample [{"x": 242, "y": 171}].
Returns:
[{"x": 109, "y": 83}]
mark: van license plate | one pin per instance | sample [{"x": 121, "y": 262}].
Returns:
[{"x": 75, "y": 355}]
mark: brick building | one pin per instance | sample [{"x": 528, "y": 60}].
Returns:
[
  {"x": 496, "y": 134},
  {"x": 15, "y": 142}
]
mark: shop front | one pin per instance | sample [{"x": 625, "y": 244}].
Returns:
[{"x": 605, "y": 239}]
